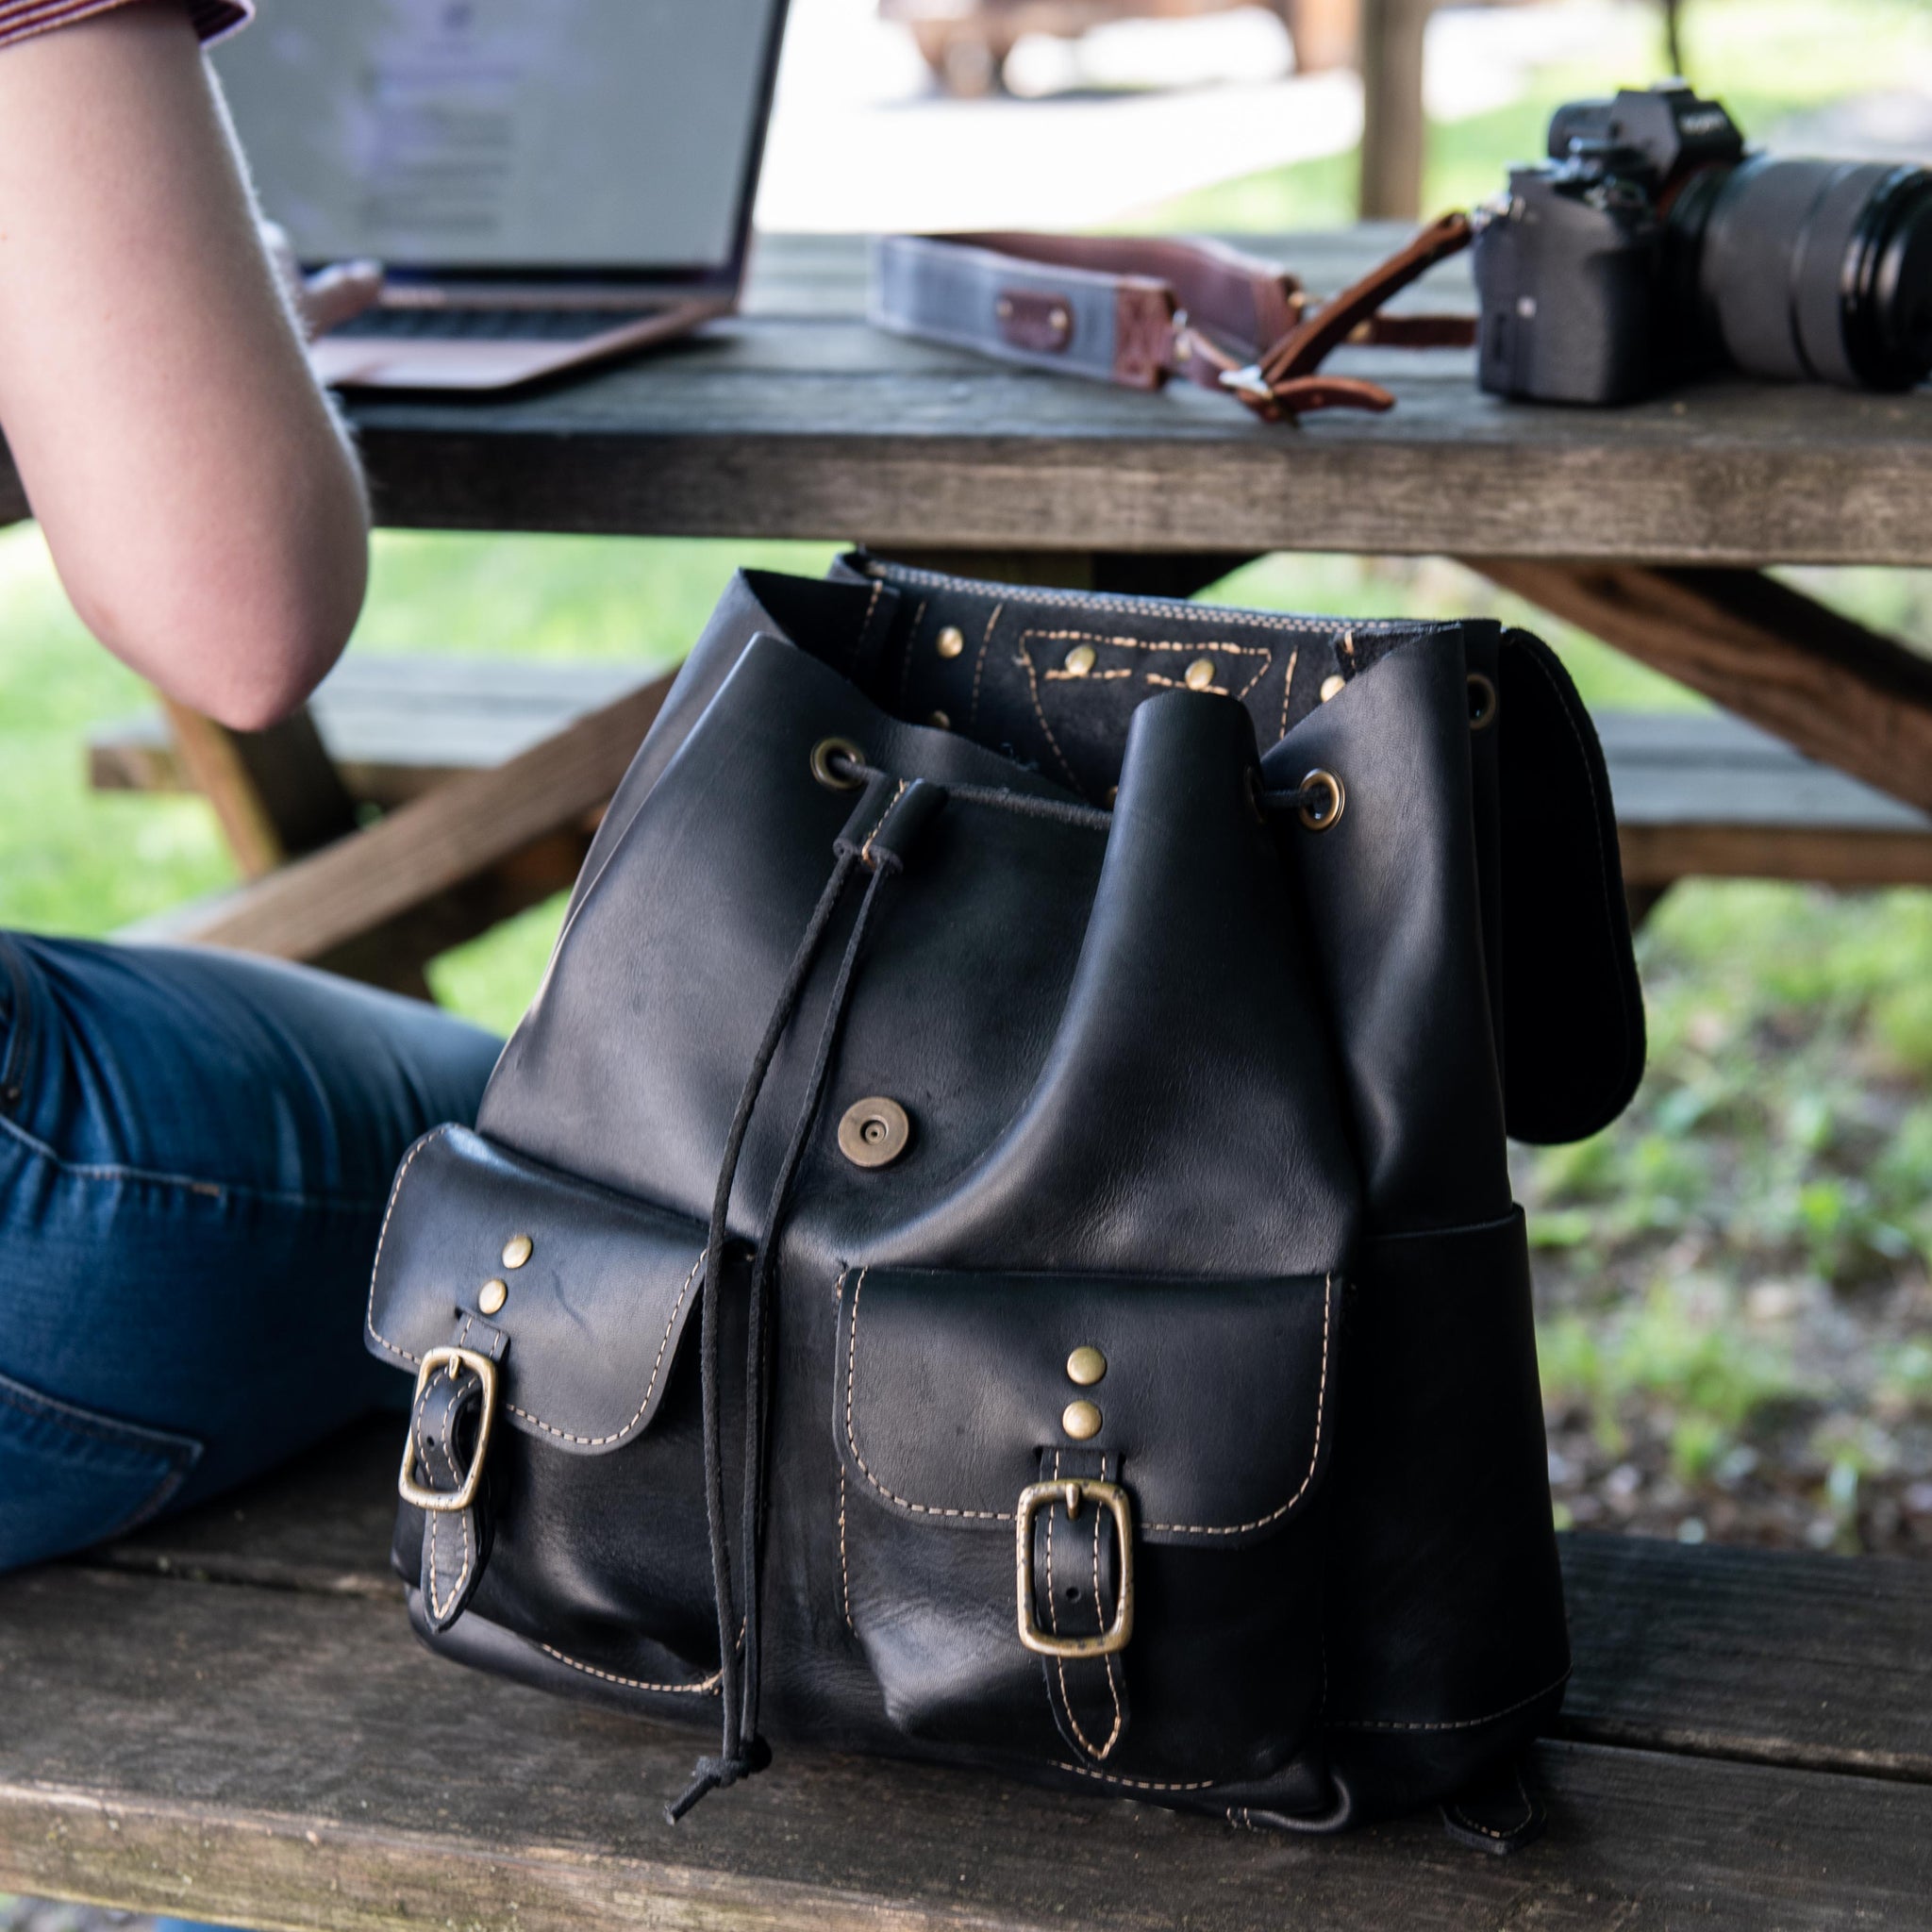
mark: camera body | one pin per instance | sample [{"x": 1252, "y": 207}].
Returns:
[{"x": 1650, "y": 246}]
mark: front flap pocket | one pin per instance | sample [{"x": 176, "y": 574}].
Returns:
[
  {"x": 1214, "y": 1398},
  {"x": 1076, "y": 1519},
  {"x": 592, "y": 1290}
]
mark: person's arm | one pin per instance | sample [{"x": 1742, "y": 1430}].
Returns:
[{"x": 202, "y": 502}]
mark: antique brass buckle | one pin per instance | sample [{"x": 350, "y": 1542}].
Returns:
[
  {"x": 454, "y": 1360},
  {"x": 1072, "y": 1491}
]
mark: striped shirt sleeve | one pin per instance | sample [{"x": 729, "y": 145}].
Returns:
[{"x": 21, "y": 19}]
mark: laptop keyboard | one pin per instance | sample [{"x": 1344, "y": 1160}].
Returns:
[{"x": 490, "y": 325}]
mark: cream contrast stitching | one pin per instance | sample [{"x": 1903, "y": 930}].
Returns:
[
  {"x": 1006, "y": 1515},
  {"x": 1460, "y": 1723},
  {"x": 852, "y": 1441},
  {"x": 1138, "y": 1784},
  {"x": 1287, "y": 687},
  {"x": 980, "y": 666},
  {"x": 707, "y": 1687},
  {"x": 844, "y": 1566},
  {"x": 1052, "y": 1612},
  {"x": 1026, "y": 659},
  {"x": 911, "y": 648},
  {"x": 1082, "y": 677},
  {"x": 600, "y": 1442},
  {"x": 1469, "y": 1824},
  {"x": 1314, "y": 1452},
  {"x": 376, "y": 1268},
  {"x": 865, "y": 850}
]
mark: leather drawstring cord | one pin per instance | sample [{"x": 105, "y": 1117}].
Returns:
[{"x": 742, "y": 1751}]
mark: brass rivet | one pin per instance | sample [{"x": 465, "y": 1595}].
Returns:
[
  {"x": 1080, "y": 660},
  {"x": 951, "y": 641},
  {"x": 1322, "y": 812},
  {"x": 1086, "y": 1366},
  {"x": 1183, "y": 349},
  {"x": 517, "y": 1250},
  {"x": 827, "y": 756},
  {"x": 1004, "y": 308},
  {"x": 1482, "y": 701},
  {"x": 1333, "y": 686},
  {"x": 1199, "y": 675},
  {"x": 874, "y": 1132},
  {"x": 1058, "y": 319},
  {"x": 1080, "y": 1420},
  {"x": 493, "y": 1296},
  {"x": 1113, "y": 793},
  {"x": 938, "y": 721}
]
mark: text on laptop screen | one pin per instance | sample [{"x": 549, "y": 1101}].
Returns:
[{"x": 498, "y": 133}]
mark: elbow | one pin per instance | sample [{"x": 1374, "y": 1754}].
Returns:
[{"x": 246, "y": 634}]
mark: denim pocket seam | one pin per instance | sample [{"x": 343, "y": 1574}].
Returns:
[{"x": 178, "y": 1454}]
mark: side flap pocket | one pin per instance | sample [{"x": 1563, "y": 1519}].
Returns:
[
  {"x": 1213, "y": 1399},
  {"x": 596, "y": 1288}
]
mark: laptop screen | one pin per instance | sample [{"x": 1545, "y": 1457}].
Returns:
[{"x": 589, "y": 135}]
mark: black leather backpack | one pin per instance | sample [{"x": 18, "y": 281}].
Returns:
[{"x": 992, "y": 1243}]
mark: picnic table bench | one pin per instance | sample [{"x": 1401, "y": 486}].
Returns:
[{"x": 225, "y": 1717}]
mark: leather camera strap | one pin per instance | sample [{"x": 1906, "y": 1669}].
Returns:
[{"x": 1139, "y": 311}]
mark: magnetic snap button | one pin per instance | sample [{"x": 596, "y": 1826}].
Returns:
[{"x": 874, "y": 1132}]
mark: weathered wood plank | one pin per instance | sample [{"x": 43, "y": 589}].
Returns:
[
  {"x": 1768, "y": 653},
  {"x": 1824, "y": 1661},
  {"x": 460, "y": 834},
  {"x": 803, "y": 423},
  {"x": 1821, "y": 1661},
  {"x": 1394, "y": 126},
  {"x": 274, "y": 1758},
  {"x": 274, "y": 791}
]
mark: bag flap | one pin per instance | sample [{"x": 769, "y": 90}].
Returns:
[
  {"x": 593, "y": 1313},
  {"x": 1574, "y": 1037},
  {"x": 1217, "y": 1397}
]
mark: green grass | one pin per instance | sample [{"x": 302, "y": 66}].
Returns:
[{"x": 1763, "y": 58}]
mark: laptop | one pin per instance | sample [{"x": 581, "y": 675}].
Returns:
[{"x": 544, "y": 184}]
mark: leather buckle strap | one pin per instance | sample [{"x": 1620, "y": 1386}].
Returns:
[
  {"x": 438, "y": 1502},
  {"x": 1069, "y": 1492}
]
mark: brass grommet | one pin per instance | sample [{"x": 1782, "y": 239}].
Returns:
[
  {"x": 1333, "y": 686},
  {"x": 828, "y": 773},
  {"x": 1080, "y": 660},
  {"x": 951, "y": 641},
  {"x": 517, "y": 1250},
  {"x": 874, "y": 1132},
  {"x": 1482, "y": 702},
  {"x": 1199, "y": 676},
  {"x": 1086, "y": 1366},
  {"x": 1317, "y": 815},
  {"x": 1081, "y": 1419},
  {"x": 494, "y": 1293}
]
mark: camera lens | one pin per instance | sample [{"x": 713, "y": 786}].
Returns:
[{"x": 1817, "y": 271}]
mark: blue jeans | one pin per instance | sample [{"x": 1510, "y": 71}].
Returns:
[{"x": 195, "y": 1149}]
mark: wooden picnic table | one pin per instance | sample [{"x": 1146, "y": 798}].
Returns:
[{"x": 1648, "y": 526}]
